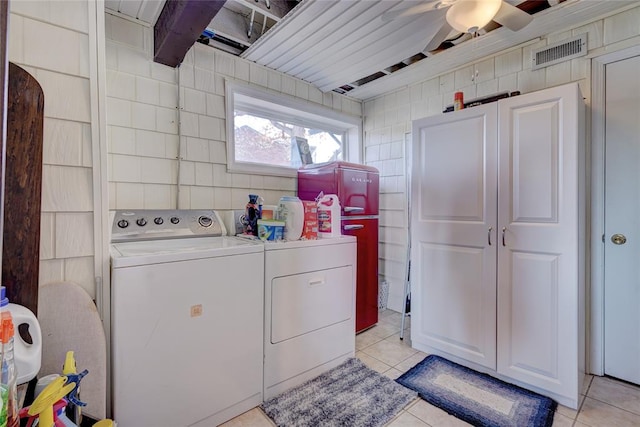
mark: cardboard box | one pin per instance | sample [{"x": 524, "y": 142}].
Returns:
[
  {"x": 310, "y": 210},
  {"x": 310, "y": 229}
]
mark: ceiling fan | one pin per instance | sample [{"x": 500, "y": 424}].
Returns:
[{"x": 465, "y": 16}]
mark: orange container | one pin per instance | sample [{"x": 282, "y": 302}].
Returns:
[{"x": 458, "y": 101}]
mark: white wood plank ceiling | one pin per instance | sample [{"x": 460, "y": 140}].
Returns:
[
  {"x": 330, "y": 43},
  {"x": 333, "y": 43},
  {"x": 146, "y": 11}
]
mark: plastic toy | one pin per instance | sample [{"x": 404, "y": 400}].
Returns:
[
  {"x": 69, "y": 370},
  {"x": 48, "y": 404}
]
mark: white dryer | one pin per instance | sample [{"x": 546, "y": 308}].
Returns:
[
  {"x": 310, "y": 289},
  {"x": 187, "y": 320}
]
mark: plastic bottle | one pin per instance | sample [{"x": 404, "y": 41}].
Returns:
[
  {"x": 8, "y": 378},
  {"x": 458, "y": 101},
  {"x": 329, "y": 216},
  {"x": 27, "y": 356},
  {"x": 291, "y": 211},
  {"x": 69, "y": 370},
  {"x": 4, "y": 389},
  {"x": 252, "y": 214}
]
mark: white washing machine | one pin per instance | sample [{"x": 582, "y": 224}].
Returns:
[
  {"x": 310, "y": 289},
  {"x": 187, "y": 320}
]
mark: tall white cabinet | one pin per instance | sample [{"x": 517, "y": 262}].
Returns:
[{"x": 497, "y": 222}]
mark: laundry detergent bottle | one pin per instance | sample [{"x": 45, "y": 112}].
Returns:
[
  {"x": 291, "y": 211},
  {"x": 329, "y": 216}
]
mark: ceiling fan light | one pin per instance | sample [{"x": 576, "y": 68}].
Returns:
[{"x": 468, "y": 16}]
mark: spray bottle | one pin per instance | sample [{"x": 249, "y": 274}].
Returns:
[
  {"x": 9, "y": 376},
  {"x": 73, "y": 412}
]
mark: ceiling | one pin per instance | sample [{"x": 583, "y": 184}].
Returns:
[{"x": 342, "y": 45}]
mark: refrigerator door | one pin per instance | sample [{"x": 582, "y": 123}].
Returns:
[
  {"x": 358, "y": 191},
  {"x": 366, "y": 232},
  {"x": 357, "y": 186}
]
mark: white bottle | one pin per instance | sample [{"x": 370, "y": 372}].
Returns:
[
  {"x": 329, "y": 216},
  {"x": 28, "y": 357},
  {"x": 291, "y": 211}
]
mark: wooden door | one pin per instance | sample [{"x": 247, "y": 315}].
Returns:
[
  {"x": 453, "y": 221},
  {"x": 541, "y": 222},
  {"x": 622, "y": 228}
]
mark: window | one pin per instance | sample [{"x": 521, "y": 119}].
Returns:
[{"x": 275, "y": 134}]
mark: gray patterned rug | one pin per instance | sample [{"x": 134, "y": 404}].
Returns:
[{"x": 348, "y": 395}]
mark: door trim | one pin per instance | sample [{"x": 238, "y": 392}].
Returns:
[{"x": 595, "y": 346}]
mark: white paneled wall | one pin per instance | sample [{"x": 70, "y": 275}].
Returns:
[
  {"x": 146, "y": 110},
  {"x": 142, "y": 120},
  {"x": 388, "y": 118},
  {"x": 148, "y": 101},
  {"x": 50, "y": 40}
]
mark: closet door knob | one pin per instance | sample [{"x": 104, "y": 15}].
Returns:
[
  {"x": 503, "y": 231},
  {"x": 619, "y": 239},
  {"x": 489, "y": 235}
]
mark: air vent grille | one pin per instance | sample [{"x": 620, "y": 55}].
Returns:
[{"x": 559, "y": 52}]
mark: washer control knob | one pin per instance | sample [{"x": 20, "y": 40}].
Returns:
[
  {"x": 174, "y": 220},
  {"x": 205, "y": 221},
  {"x": 141, "y": 222},
  {"x": 123, "y": 223},
  {"x": 158, "y": 221}
]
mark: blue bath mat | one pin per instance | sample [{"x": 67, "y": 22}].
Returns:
[{"x": 477, "y": 398}]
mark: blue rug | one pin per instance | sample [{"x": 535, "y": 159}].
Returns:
[
  {"x": 477, "y": 398},
  {"x": 350, "y": 394}
]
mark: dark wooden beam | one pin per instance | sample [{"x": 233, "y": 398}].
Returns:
[
  {"x": 180, "y": 24},
  {"x": 23, "y": 188},
  {"x": 4, "y": 72}
]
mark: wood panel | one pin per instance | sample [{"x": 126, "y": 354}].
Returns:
[
  {"x": 23, "y": 184},
  {"x": 179, "y": 25},
  {"x": 4, "y": 12}
]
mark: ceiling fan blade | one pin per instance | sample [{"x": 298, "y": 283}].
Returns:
[
  {"x": 512, "y": 17},
  {"x": 413, "y": 10},
  {"x": 440, "y": 36}
]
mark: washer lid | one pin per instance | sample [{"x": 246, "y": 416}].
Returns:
[{"x": 128, "y": 254}]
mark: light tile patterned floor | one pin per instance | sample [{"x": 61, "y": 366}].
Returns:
[{"x": 605, "y": 403}]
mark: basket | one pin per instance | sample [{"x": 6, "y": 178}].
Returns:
[{"x": 383, "y": 294}]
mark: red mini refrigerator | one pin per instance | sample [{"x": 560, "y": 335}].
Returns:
[{"x": 358, "y": 188}]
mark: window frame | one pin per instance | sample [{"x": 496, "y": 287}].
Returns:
[{"x": 293, "y": 110}]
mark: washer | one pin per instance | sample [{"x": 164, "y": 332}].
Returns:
[{"x": 187, "y": 320}]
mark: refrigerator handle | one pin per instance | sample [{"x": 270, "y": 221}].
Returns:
[
  {"x": 353, "y": 227},
  {"x": 348, "y": 209}
]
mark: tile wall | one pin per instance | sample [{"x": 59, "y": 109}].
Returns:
[
  {"x": 387, "y": 119},
  {"x": 143, "y": 116},
  {"x": 50, "y": 40}
]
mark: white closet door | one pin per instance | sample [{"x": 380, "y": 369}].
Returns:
[
  {"x": 622, "y": 210},
  {"x": 538, "y": 261},
  {"x": 453, "y": 199}
]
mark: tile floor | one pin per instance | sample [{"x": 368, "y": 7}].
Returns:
[{"x": 605, "y": 402}]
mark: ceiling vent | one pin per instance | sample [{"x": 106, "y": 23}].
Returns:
[{"x": 559, "y": 52}]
